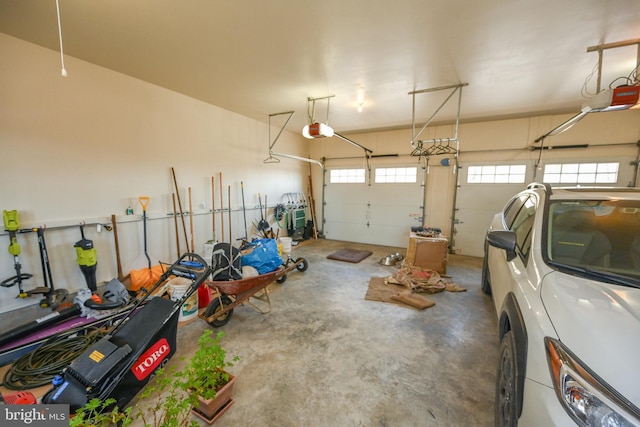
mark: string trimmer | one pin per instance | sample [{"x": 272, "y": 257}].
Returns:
[
  {"x": 11, "y": 224},
  {"x": 86, "y": 258},
  {"x": 51, "y": 297}
]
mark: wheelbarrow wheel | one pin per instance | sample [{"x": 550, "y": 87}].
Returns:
[
  {"x": 214, "y": 307},
  {"x": 282, "y": 278},
  {"x": 303, "y": 264}
]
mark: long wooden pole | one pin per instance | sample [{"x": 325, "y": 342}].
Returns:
[
  {"x": 312, "y": 206},
  {"x": 244, "y": 212},
  {"x": 184, "y": 226},
  {"x": 175, "y": 221},
  {"x": 213, "y": 208},
  {"x": 221, "y": 211},
  {"x": 229, "y": 200},
  {"x": 193, "y": 246},
  {"x": 121, "y": 277}
]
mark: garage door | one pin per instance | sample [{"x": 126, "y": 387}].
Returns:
[
  {"x": 479, "y": 198},
  {"x": 380, "y": 213},
  {"x": 477, "y": 202}
]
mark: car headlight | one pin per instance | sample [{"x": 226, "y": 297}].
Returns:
[{"x": 585, "y": 397}]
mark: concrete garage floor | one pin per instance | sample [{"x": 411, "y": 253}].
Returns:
[{"x": 325, "y": 356}]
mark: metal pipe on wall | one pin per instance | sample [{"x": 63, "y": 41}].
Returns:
[{"x": 454, "y": 209}]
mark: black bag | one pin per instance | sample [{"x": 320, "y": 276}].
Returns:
[{"x": 226, "y": 262}]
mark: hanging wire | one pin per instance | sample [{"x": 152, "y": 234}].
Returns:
[
  {"x": 630, "y": 79},
  {"x": 585, "y": 91},
  {"x": 64, "y": 70},
  {"x": 633, "y": 75}
]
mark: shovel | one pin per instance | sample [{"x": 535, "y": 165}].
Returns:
[{"x": 146, "y": 276}]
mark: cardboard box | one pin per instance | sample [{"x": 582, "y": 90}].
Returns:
[{"x": 428, "y": 252}]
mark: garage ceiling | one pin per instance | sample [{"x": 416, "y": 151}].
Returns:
[{"x": 258, "y": 57}]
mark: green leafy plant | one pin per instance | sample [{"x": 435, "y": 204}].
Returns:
[
  {"x": 164, "y": 403},
  {"x": 206, "y": 371},
  {"x": 99, "y": 413}
]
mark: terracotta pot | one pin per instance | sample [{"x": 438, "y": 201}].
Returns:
[{"x": 211, "y": 409}]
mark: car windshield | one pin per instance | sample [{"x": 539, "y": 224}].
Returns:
[{"x": 595, "y": 235}]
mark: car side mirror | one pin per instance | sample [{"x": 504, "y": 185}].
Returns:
[{"x": 503, "y": 240}]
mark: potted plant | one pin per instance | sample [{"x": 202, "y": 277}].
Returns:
[{"x": 206, "y": 378}]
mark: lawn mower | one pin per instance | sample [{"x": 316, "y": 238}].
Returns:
[{"x": 123, "y": 361}]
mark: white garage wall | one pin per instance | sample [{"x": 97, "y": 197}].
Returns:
[{"x": 84, "y": 147}]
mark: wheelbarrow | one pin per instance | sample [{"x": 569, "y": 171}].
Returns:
[{"x": 231, "y": 293}]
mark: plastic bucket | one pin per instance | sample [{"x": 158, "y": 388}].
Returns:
[
  {"x": 286, "y": 244},
  {"x": 207, "y": 250},
  {"x": 204, "y": 296},
  {"x": 177, "y": 288}
]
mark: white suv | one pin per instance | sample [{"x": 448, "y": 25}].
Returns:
[{"x": 563, "y": 266}]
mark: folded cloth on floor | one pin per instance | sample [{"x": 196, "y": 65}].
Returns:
[
  {"x": 422, "y": 280},
  {"x": 415, "y": 300}
]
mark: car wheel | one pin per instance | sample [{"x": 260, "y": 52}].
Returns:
[
  {"x": 486, "y": 277},
  {"x": 506, "y": 388}
]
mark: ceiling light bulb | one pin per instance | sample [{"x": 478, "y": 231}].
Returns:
[{"x": 64, "y": 72}]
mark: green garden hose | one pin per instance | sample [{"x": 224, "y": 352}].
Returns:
[{"x": 38, "y": 367}]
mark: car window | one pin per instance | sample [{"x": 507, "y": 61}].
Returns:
[
  {"x": 596, "y": 234},
  {"x": 522, "y": 225},
  {"x": 512, "y": 209}
]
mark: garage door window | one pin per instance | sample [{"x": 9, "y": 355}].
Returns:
[
  {"x": 496, "y": 174},
  {"x": 395, "y": 175},
  {"x": 347, "y": 176},
  {"x": 581, "y": 173}
]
